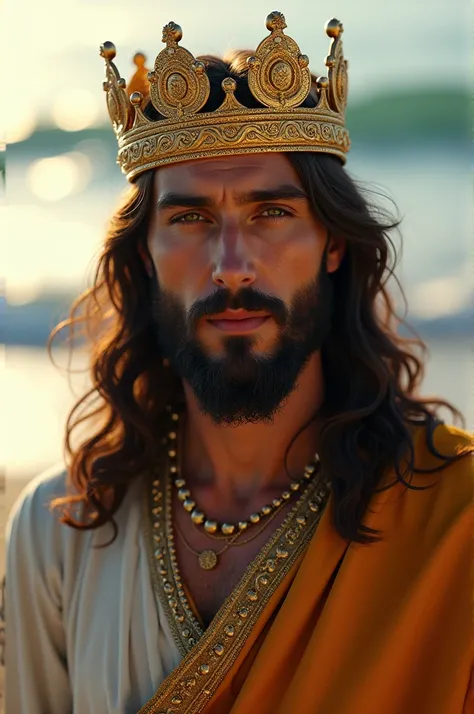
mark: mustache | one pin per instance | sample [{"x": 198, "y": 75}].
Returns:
[{"x": 247, "y": 299}]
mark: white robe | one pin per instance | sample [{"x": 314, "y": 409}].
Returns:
[{"x": 84, "y": 631}]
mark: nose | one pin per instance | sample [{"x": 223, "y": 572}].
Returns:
[{"x": 233, "y": 268}]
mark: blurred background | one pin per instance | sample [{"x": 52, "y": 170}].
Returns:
[{"x": 409, "y": 119}]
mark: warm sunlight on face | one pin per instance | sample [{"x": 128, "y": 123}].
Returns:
[
  {"x": 233, "y": 223},
  {"x": 242, "y": 300}
]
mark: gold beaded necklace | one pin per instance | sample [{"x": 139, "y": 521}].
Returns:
[
  {"x": 211, "y": 527},
  {"x": 208, "y": 559}
]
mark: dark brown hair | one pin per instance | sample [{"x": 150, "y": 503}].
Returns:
[{"x": 371, "y": 373}]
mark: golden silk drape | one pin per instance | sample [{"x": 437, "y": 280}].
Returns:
[{"x": 356, "y": 629}]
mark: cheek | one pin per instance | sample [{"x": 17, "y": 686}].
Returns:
[
  {"x": 169, "y": 269},
  {"x": 297, "y": 262},
  {"x": 170, "y": 261},
  {"x": 179, "y": 269}
]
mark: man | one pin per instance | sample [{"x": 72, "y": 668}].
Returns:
[{"x": 264, "y": 516}]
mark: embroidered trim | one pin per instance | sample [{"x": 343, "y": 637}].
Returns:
[
  {"x": 209, "y": 654},
  {"x": 185, "y": 628}
]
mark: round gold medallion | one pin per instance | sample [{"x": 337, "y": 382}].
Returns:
[
  {"x": 281, "y": 75},
  {"x": 177, "y": 85},
  {"x": 207, "y": 559}
]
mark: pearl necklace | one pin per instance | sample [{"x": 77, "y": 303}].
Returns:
[{"x": 225, "y": 530}]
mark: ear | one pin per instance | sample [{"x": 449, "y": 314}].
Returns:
[
  {"x": 335, "y": 253},
  {"x": 145, "y": 256}
]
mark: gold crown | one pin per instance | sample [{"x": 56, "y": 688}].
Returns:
[{"x": 278, "y": 77}]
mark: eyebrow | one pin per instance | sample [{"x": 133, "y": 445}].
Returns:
[{"x": 178, "y": 200}]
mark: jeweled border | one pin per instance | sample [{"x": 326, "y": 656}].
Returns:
[
  {"x": 205, "y": 664},
  {"x": 168, "y": 589}
]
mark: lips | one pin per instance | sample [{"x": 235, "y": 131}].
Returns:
[
  {"x": 238, "y": 315},
  {"x": 238, "y": 320}
]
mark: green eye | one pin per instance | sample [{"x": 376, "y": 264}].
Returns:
[
  {"x": 190, "y": 217},
  {"x": 275, "y": 212}
]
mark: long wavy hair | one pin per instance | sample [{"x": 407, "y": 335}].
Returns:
[{"x": 372, "y": 374}]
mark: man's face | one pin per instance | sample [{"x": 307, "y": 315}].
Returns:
[{"x": 241, "y": 295}]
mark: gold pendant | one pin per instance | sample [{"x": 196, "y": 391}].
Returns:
[{"x": 207, "y": 559}]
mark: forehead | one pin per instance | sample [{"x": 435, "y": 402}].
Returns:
[{"x": 238, "y": 172}]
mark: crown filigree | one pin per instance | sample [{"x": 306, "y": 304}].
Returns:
[{"x": 279, "y": 78}]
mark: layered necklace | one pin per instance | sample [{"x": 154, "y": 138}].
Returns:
[{"x": 229, "y": 532}]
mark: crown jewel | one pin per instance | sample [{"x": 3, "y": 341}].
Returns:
[{"x": 278, "y": 77}]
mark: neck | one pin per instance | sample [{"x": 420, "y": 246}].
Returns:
[{"x": 240, "y": 462}]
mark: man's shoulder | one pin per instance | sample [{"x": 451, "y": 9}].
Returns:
[
  {"x": 452, "y": 437},
  {"x": 32, "y": 505},
  {"x": 34, "y": 516},
  {"x": 444, "y": 458},
  {"x": 444, "y": 441}
]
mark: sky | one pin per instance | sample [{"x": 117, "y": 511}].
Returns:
[{"x": 50, "y": 48}]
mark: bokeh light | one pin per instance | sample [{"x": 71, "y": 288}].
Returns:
[
  {"x": 54, "y": 178},
  {"x": 19, "y": 121},
  {"x": 75, "y": 110},
  {"x": 39, "y": 251},
  {"x": 441, "y": 297}
]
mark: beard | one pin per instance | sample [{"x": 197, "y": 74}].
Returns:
[{"x": 240, "y": 386}]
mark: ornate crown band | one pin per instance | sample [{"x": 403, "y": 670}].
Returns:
[{"x": 278, "y": 77}]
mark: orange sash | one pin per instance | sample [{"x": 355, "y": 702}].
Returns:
[{"x": 354, "y": 629}]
